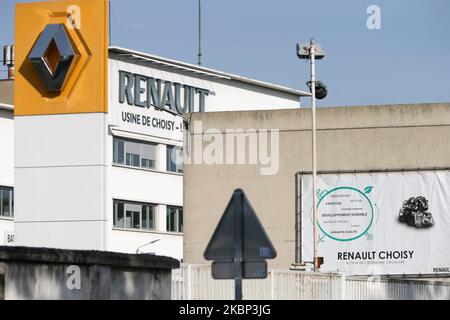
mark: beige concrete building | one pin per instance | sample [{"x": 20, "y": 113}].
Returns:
[
  {"x": 7, "y": 92},
  {"x": 365, "y": 138}
]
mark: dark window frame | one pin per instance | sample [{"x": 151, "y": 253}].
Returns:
[
  {"x": 10, "y": 191},
  {"x": 133, "y": 160},
  {"x": 150, "y": 214},
  {"x": 171, "y": 166},
  {"x": 177, "y": 222}
]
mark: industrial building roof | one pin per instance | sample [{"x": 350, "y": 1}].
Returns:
[{"x": 198, "y": 70}]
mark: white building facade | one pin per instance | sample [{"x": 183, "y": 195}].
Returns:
[
  {"x": 116, "y": 179},
  {"x": 6, "y": 174}
]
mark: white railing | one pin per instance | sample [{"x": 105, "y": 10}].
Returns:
[
  {"x": 194, "y": 282},
  {"x": 367, "y": 289}
]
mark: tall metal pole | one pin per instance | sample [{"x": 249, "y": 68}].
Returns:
[
  {"x": 199, "y": 55},
  {"x": 314, "y": 162}
]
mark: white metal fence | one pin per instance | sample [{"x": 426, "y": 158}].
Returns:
[
  {"x": 371, "y": 289},
  {"x": 194, "y": 282}
]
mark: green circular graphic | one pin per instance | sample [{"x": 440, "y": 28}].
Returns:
[{"x": 371, "y": 211}]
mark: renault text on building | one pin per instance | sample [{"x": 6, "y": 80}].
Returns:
[{"x": 142, "y": 91}]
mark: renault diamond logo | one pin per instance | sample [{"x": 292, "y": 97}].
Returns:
[{"x": 52, "y": 56}]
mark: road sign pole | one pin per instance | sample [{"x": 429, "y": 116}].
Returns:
[
  {"x": 239, "y": 207},
  {"x": 237, "y": 289}
]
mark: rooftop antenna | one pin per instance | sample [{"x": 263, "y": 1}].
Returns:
[
  {"x": 199, "y": 55},
  {"x": 8, "y": 60}
]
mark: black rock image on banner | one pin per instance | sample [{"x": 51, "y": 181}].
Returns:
[{"x": 414, "y": 213}]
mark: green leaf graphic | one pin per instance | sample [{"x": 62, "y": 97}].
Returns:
[
  {"x": 321, "y": 238},
  {"x": 368, "y": 189},
  {"x": 320, "y": 193}
]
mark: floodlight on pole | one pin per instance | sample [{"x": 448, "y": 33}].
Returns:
[
  {"x": 151, "y": 242},
  {"x": 312, "y": 51}
]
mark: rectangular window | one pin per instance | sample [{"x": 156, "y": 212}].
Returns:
[
  {"x": 174, "y": 219},
  {"x": 175, "y": 159},
  {"x": 119, "y": 151},
  {"x": 132, "y": 159},
  {"x": 133, "y": 215},
  {"x": 6, "y": 202},
  {"x": 119, "y": 220},
  {"x": 136, "y": 220},
  {"x": 128, "y": 214},
  {"x": 134, "y": 153},
  {"x": 148, "y": 155},
  {"x": 148, "y": 214}
]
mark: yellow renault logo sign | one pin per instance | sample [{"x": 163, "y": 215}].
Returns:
[{"x": 61, "y": 57}]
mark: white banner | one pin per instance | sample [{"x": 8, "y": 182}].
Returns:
[
  {"x": 379, "y": 223},
  {"x": 150, "y": 122}
]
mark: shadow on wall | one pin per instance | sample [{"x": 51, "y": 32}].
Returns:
[
  {"x": 2, "y": 287},
  {"x": 52, "y": 274},
  {"x": 54, "y": 282}
]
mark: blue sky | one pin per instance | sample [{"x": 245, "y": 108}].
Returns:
[{"x": 406, "y": 61}]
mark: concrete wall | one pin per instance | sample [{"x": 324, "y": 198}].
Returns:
[
  {"x": 49, "y": 274},
  {"x": 349, "y": 138},
  {"x": 25, "y": 281},
  {"x": 7, "y": 91}
]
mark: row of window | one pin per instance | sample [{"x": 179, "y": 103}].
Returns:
[
  {"x": 143, "y": 155},
  {"x": 133, "y": 215},
  {"x": 127, "y": 215},
  {"x": 6, "y": 202},
  {"x": 136, "y": 215}
]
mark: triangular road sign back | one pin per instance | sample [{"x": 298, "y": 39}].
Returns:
[{"x": 239, "y": 234}]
